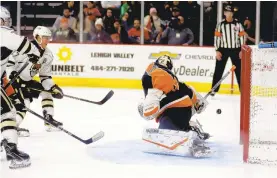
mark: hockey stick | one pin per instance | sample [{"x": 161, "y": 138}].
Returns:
[
  {"x": 213, "y": 89},
  {"x": 16, "y": 75},
  {"x": 104, "y": 100},
  {"x": 220, "y": 81},
  {"x": 94, "y": 138}
]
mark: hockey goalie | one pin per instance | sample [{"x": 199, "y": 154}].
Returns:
[{"x": 172, "y": 104}]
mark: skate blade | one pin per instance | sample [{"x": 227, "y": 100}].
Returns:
[
  {"x": 51, "y": 128},
  {"x": 14, "y": 164},
  {"x": 23, "y": 134}
]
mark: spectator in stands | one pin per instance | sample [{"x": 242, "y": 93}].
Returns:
[
  {"x": 113, "y": 5},
  {"x": 100, "y": 36},
  {"x": 178, "y": 34},
  {"x": 64, "y": 24},
  {"x": 166, "y": 12},
  {"x": 249, "y": 32},
  {"x": 134, "y": 33},
  {"x": 91, "y": 11},
  {"x": 120, "y": 33},
  {"x": 175, "y": 12},
  {"x": 64, "y": 33},
  {"x": 73, "y": 9},
  {"x": 180, "y": 6},
  {"x": 124, "y": 21},
  {"x": 65, "y": 18},
  {"x": 124, "y": 8},
  {"x": 86, "y": 27},
  {"x": 108, "y": 21},
  {"x": 134, "y": 11},
  {"x": 153, "y": 23}
]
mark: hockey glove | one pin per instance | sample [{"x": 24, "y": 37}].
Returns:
[
  {"x": 18, "y": 102},
  {"x": 56, "y": 92},
  {"x": 18, "y": 83},
  {"x": 199, "y": 107}
]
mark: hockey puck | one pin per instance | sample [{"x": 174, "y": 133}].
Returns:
[{"x": 218, "y": 111}]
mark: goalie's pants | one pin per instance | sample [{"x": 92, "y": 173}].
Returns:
[
  {"x": 175, "y": 119},
  {"x": 220, "y": 65}
]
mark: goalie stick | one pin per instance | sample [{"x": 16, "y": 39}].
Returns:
[
  {"x": 103, "y": 101},
  {"x": 94, "y": 138},
  {"x": 213, "y": 89}
]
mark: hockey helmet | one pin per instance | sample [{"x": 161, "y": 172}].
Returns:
[
  {"x": 164, "y": 62},
  {"x": 5, "y": 17},
  {"x": 42, "y": 31}
]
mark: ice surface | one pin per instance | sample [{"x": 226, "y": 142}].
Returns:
[{"x": 121, "y": 153}]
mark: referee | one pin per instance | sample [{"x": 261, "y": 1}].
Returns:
[{"x": 228, "y": 38}]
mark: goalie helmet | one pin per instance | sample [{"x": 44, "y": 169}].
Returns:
[
  {"x": 41, "y": 31},
  {"x": 5, "y": 16},
  {"x": 164, "y": 62}
]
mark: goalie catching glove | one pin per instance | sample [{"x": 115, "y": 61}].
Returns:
[{"x": 56, "y": 92}]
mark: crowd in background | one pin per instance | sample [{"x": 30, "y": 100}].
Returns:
[{"x": 165, "y": 22}]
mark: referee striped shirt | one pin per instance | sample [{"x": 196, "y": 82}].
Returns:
[{"x": 229, "y": 35}]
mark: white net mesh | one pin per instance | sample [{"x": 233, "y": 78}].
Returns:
[{"x": 263, "y": 107}]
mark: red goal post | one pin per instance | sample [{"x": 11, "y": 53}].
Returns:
[{"x": 258, "y": 115}]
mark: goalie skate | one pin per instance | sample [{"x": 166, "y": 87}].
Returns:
[
  {"x": 199, "y": 150},
  {"x": 21, "y": 132}
]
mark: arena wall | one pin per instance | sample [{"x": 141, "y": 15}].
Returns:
[{"x": 122, "y": 66}]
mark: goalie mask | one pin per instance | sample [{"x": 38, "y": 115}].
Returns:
[{"x": 164, "y": 62}]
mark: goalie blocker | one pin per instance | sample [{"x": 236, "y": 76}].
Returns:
[{"x": 171, "y": 103}]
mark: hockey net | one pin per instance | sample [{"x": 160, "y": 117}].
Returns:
[{"x": 259, "y": 105}]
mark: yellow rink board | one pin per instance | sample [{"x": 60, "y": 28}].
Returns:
[{"x": 131, "y": 84}]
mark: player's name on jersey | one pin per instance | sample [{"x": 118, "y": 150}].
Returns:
[
  {"x": 183, "y": 70},
  {"x": 68, "y": 68},
  {"x": 114, "y": 55}
]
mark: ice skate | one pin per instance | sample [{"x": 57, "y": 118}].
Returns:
[
  {"x": 199, "y": 150},
  {"x": 50, "y": 127},
  {"x": 17, "y": 159}
]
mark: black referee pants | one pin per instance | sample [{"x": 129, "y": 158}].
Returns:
[{"x": 220, "y": 65}]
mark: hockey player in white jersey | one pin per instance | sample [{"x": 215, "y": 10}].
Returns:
[
  {"x": 172, "y": 104},
  {"x": 11, "y": 42},
  {"x": 31, "y": 88}
]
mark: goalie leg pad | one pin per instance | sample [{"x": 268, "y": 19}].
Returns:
[{"x": 173, "y": 142}]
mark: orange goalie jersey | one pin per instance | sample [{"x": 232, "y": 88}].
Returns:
[{"x": 178, "y": 95}]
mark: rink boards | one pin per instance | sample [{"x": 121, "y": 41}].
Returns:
[{"x": 122, "y": 66}]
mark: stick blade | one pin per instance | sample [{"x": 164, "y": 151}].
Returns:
[
  {"x": 95, "y": 137},
  {"x": 107, "y": 97}
]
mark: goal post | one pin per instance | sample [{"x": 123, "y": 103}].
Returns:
[{"x": 258, "y": 115}]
